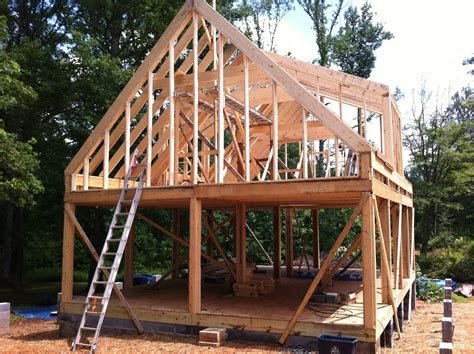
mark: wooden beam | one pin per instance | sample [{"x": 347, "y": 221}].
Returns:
[
  {"x": 171, "y": 107},
  {"x": 304, "y": 118},
  {"x": 289, "y": 242},
  {"x": 67, "y": 277},
  {"x": 106, "y": 159},
  {"x": 127, "y": 137},
  {"x": 276, "y": 243},
  {"x": 149, "y": 128},
  {"x": 220, "y": 111},
  {"x": 175, "y": 259},
  {"x": 397, "y": 239},
  {"x": 246, "y": 120},
  {"x": 194, "y": 301},
  {"x": 316, "y": 250},
  {"x": 86, "y": 174},
  {"x": 309, "y": 293},
  {"x": 195, "y": 170},
  {"x": 384, "y": 209},
  {"x": 90, "y": 248},
  {"x": 369, "y": 266},
  {"x": 275, "y": 174}
]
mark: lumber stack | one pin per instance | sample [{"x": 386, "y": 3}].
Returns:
[
  {"x": 213, "y": 337},
  {"x": 254, "y": 288}
]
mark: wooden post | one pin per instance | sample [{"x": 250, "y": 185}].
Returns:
[
  {"x": 305, "y": 144},
  {"x": 388, "y": 129},
  {"x": 241, "y": 242},
  {"x": 368, "y": 266},
  {"x": 129, "y": 259},
  {"x": 397, "y": 227},
  {"x": 246, "y": 119},
  {"x": 289, "y": 242},
  {"x": 406, "y": 257},
  {"x": 316, "y": 250},
  {"x": 149, "y": 128},
  {"x": 171, "y": 109},
  {"x": 336, "y": 155},
  {"x": 67, "y": 278},
  {"x": 175, "y": 261},
  {"x": 276, "y": 243},
  {"x": 221, "y": 106},
  {"x": 126, "y": 158},
  {"x": 195, "y": 99},
  {"x": 86, "y": 174},
  {"x": 384, "y": 210},
  {"x": 106, "y": 160},
  {"x": 194, "y": 256},
  {"x": 275, "y": 173}
]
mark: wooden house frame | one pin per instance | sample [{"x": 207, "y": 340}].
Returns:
[{"x": 214, "y": 115}]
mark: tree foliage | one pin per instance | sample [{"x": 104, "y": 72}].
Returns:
[{"x": 358, "y": 38}]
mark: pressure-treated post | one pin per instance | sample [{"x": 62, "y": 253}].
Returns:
[
  {"x": 194, "y": 286},
  {"x": 175, "y": 261},
  {"x": 368, "y": 265},
  {"x": 171, "y": 109},
  {"x": 289, "y": 242},
  {"x": 275, "y": 133},
  {"x": 241, "y": 242},
  {"x": 68, "y": 256},
  {"x": 316, "y": 250},
  {"x": 129, "y": 259},
  {"x": 276, "y": 243}
]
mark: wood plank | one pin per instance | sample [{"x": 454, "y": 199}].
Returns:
[
  {"x": 384, "y": 213},
  {"x": 246, "y": 120},
  {"x": 195, "y": 170},
  {"x": 220, "y": 112},
  {"x": 172, "y": 119},
  {"x": 275, "y": 144},
  {"x": 127, "y": 137},
  {"x": 194, "y": 301},
  {"x": 241, "y": 242},
  {"x": 106, "y": 160},
  {"x": 149, "y": 128}
]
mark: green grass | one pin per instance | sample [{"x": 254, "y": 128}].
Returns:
[{"x": 462, "y": 299}]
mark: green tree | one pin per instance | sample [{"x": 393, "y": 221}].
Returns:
[
  {"x": 441, "y": 169},
  {"x": 355, "y": 45}
]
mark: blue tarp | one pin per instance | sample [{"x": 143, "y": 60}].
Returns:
[
  {"x": 42, "y": 312},
  {"x": 440, "y": 283}
]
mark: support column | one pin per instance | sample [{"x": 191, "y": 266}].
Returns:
[
  {"x": 194, "y": 283},
  {"x": 289, "y": 242},
  {"x": 405, "y": 256},
  {"x": 384, "y": 211},
  {"x": 210, "y": 245},
  {"x": 175, "y": 261},
  {"x": 129, "y": 259},
  {"x": 241, "y": 242},
  {"x": 67, "y": 278},
  {"x": 276, "y": 243},
  {"x": 316, "y": 250},
  {"x": 368, "y": 265}
]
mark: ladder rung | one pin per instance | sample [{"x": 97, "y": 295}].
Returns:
[
  {"x": 89, "y": 328},
  {"x": 95, "y": 297},
  {"x": 122, "y": 214},
  {"x": 118, "y": 227},
  {"x": 109, "y": 254},
  {"x": 93, "y": 313},
  {"x": 114, "y": 240},
  {"x": 84, "y": 344},
  {"x": 104, "y": 267},
  {"x": 100, "y": 282}
]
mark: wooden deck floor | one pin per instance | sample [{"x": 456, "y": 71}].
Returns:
[{"x": 167, "y": 303}]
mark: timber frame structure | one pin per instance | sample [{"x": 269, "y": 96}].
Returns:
[{"x": 216, "y": 117}]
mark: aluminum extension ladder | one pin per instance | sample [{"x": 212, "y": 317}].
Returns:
[{"x": 110, "y": 258}]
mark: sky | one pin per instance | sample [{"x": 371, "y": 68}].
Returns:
[{"x": 431, "y": 40}]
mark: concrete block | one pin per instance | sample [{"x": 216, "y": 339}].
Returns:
[{"x": 4, "y": 318}]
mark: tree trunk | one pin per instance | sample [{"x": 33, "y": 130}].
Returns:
[
  {"x": 19, "y": 252},
  {"x": 7, "y": 244}
]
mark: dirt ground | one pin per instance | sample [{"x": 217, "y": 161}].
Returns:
[{"x": 421, "y": 335}]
